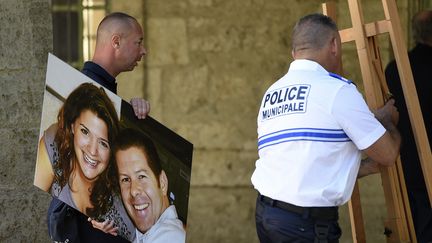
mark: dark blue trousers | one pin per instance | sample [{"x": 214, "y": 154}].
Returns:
[{"x": 275, "y": 225}]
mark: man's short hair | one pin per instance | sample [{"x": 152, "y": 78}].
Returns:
[
  {"x": 312, "y": 32},
  {"x": 422, "y": 27},
  {"x": 122, "y": 19},
  {"x": 129, "y": 137}
]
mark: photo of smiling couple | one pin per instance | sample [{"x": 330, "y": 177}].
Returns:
[{"x": 113, "y": 173}]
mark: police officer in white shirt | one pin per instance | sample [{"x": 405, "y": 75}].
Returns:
[{"x": 313, "y": 126}]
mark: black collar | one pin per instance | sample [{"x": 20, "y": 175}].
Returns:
[{"x": 100, "y": 75}]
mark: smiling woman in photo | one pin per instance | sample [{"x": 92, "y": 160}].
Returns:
[{"x": 75, "y": 157}]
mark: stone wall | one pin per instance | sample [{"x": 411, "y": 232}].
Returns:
[{"x": 25, "y": 40}]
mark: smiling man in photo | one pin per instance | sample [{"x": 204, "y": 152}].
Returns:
[{"x": 144, "y": 186}]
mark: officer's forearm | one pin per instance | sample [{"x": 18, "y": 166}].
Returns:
[{"x": 367, "y": 167}]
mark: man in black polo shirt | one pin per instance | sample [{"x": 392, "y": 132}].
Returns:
[
  {"x": 119, "y": 48},
  {"x": 421, "y": 63}
]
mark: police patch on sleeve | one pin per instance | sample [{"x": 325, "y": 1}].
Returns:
[{"x": 285, "y": 101}]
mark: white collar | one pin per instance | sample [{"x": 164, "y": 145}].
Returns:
[{"x": 305, "y": 64}]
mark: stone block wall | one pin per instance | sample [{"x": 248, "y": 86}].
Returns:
[{"x": 25, "y": 40}]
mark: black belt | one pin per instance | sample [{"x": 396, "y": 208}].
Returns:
[{"x": 320, "y": 213}]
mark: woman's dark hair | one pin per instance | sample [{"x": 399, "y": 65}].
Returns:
[
  {"x": 128, "y": 138},
  {"x": 86, "y": 97}
]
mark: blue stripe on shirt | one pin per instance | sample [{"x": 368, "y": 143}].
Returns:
[
  {"x": 303, "y": 134},
  {"x": 334, "y": 75}
]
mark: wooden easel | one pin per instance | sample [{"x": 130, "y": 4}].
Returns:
[{"x": 399, "y": 225}]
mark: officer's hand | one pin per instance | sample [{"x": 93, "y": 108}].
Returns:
[
  {"x": 141, "y": 107},
  {"x": 388, "y": 114}
]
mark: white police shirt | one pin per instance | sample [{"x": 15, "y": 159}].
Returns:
[{"x": 311, "y": 126}]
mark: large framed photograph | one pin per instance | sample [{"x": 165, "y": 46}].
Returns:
[{"x": 129, "y": 176}]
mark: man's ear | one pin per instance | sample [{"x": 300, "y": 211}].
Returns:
[
  {"x": 163, "y": 181},
  {"x": 115, "y": 41},
  {"x": 334, "y": 46}
]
